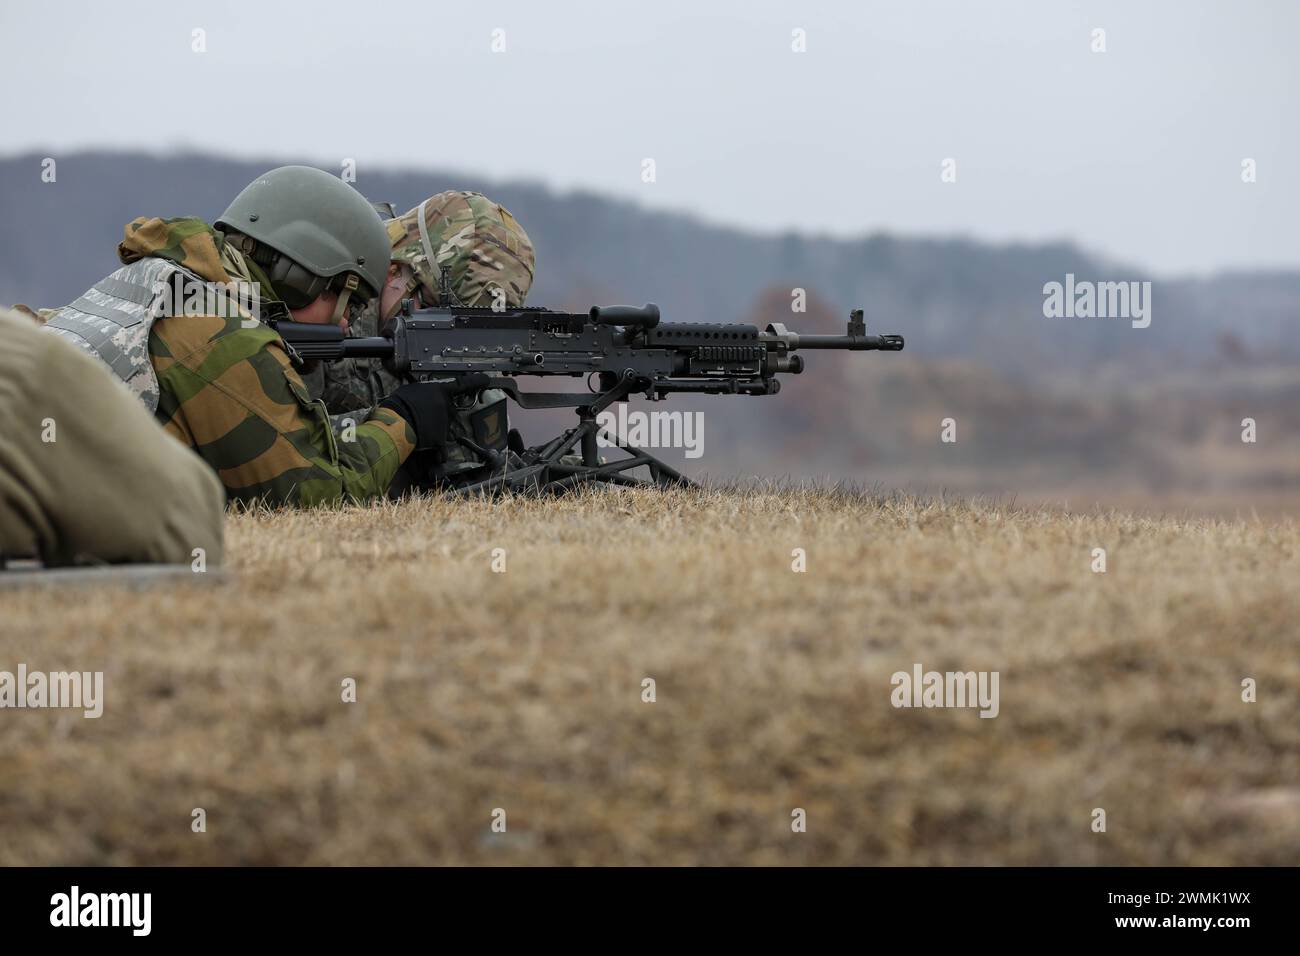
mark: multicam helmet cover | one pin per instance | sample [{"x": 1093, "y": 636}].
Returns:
[{"x": 485, "y": 254}]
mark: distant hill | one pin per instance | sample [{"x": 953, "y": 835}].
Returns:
[{"x": 950, "y": 297}]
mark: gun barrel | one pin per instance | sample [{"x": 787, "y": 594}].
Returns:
[{"x": 854, "y": 343}]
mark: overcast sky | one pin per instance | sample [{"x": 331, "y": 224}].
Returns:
[{"x": 1135, "y": 152}]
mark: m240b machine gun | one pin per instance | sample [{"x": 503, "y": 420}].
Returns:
[{"x": 621, "y": 350}]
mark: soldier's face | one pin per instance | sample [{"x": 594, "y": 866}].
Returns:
[
  {"x": 319, "y": 311},
  {"x": 391, "y": 296}
]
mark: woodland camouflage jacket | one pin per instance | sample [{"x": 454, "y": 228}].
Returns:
[{"x": 232, "y": 393}]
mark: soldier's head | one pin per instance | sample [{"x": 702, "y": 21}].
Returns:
[
  {"x": 485, "y": 254},
  {"x": 317, "y": 239}
]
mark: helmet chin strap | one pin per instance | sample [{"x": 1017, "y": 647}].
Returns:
[
  {"x": 341, "y": 305},
  {"x": 424, "y": 240}
]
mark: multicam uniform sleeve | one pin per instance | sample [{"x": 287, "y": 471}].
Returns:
[
  {"x": 354, "y": 384},
  {"x": 232, "y": 394},
  {"x": 350, "y": 389}
]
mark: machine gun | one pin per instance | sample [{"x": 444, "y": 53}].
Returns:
[{"x": 622, "y": 350}]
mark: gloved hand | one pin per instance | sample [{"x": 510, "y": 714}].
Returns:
[{"x": 426, "y": 406}]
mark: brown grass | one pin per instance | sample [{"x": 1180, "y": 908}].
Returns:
[{"x": 522, "y": 690}]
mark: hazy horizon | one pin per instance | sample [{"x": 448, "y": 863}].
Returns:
[{"x": 1132, "y": 154}]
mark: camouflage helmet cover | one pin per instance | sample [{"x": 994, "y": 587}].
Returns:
[{"x": 474, "y": 240}]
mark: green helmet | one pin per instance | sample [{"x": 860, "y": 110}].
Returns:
[{"x": 313, "y": 231}]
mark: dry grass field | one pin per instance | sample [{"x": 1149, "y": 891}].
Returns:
[{"x": 522, "y": 690}]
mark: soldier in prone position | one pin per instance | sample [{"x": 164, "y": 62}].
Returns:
[
  {"x": 487, "y": 260},
  {"x": 179, "y": 324}
]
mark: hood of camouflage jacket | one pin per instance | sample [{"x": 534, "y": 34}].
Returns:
[{"x": 194, "y": 245}]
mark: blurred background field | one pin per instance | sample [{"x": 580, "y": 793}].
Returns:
[{"x": 1073, "y": 412}]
